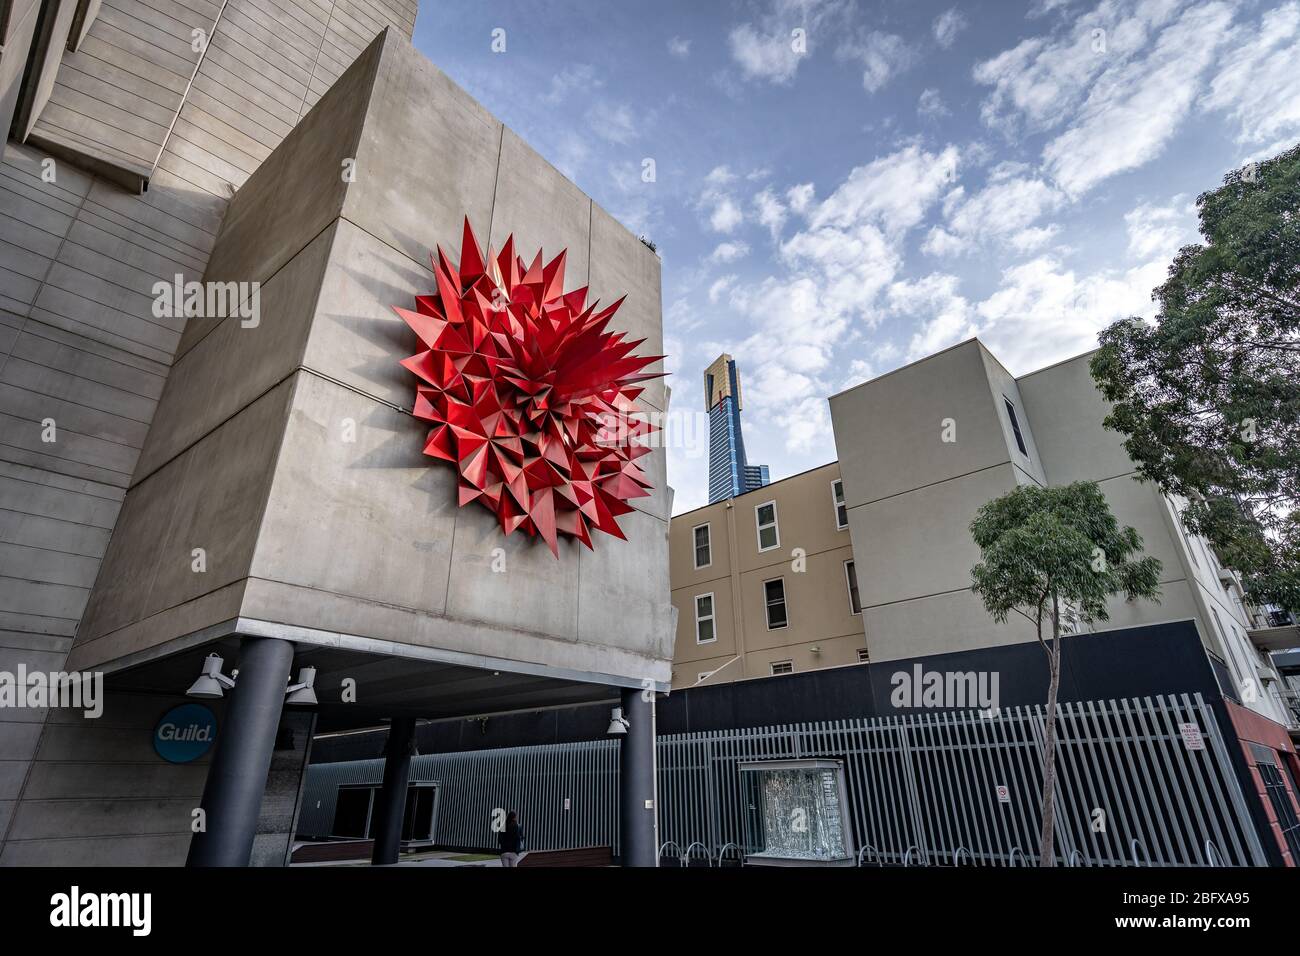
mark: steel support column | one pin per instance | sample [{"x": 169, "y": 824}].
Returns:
[
  {"x": 390, "y": 801},
  {"x": 637, "y": 809},
  {"x": 232, "y": 796}
]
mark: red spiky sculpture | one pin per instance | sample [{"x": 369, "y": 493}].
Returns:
[{"x": 528, "y": 394}]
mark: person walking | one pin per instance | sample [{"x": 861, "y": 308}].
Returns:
[{"x": 511, "y": 840}]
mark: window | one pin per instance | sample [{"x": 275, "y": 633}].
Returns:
[
  {"x": 782, "y": 667},
  {"x": 704, "y": 633},
  {"x": 1015, "y": 426},
  {"x": 841, "y": 509},
  {"x": 703, "y": 675},
  {"x": 851, "y": 576},
  {"x": 864, "y": 656},
  {"x": 765, "y": 517},
  {"x": 774, "y": 597},
  {"x": 703, "y": 546}
]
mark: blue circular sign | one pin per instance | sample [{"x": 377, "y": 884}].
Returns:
[{"x": 185, "y": 733}]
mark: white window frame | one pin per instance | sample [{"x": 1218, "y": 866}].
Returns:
[
  {"x": 785, "y": 603},
  {"x": 773, "y": 665},
  {"x": 836, "y": 503},
  {"x": 695, "y": 548},
  {"x": 775, "y": 526},
  {"x": 864, "y": 655},
  {"x": 848, "y": 583},
  {"x": 712, "y": 616}
]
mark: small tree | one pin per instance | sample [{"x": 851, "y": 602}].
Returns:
[{"x": 1046, "y": 551}]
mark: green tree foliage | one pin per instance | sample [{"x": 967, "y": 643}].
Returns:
[
  {"x": 1051, "y": 554},
  {"x": 1208, "y": 397}
]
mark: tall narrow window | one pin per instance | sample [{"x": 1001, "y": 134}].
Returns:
[
  {"x": 1015, "y": 426},
  {"x": 841, "y": 509},
  {"x": 774, "y": 597},
  {"x": 851, "y": 575},
  {"x": 704, "y": 632},
  {"x": 765, "y": 518},
  {"x": 703, "y": 547}
]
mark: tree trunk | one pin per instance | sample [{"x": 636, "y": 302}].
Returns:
[{"x": 1046, "y": 852}]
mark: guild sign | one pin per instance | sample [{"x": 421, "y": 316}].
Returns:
[{"x": 185, "y": 733}]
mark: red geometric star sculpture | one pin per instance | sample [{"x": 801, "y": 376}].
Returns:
[{"x": 529, "y": 394}]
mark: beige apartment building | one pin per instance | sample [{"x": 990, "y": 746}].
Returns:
[
  {"x": 764, "y": 583},
  {"x": 887, "y": 528}
]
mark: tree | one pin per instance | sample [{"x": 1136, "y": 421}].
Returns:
[
  {"x": 1208, "y": 396},
  {"x": 1046, "y": 552}
]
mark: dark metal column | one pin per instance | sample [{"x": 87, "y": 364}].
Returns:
[
  {"x": 636, "y": 780},
  {"x": 232, "y": 797},
  {"x": 390, "y": 802}
]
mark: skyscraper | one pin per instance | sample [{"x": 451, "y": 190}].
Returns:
[{"x": 729, "y": 472}]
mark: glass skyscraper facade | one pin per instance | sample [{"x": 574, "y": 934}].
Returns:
[{"x": 730, "y": 474}]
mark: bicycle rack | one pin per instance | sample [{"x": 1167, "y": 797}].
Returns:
[
  {"x": 957, "y": 856},
  {"x": 1073, "y": 859},
  {"x": 686, "y": 858},
  {"x": 865, "y": 848},
  {"x": 1212, "y": 853},
  {"x": 1012, "y": 860},
  {"x": 1132, "y": 848},
  {"x": 672, "y": 844},
  {"x": 723, "y": 852},
  {"x": 908, "y": 856}
]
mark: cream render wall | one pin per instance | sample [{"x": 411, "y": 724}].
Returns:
[{"x": 810, "y": 559}]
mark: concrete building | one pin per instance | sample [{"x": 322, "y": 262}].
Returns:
[
  {"x": 730, "y": 472},
  {"x": 171, "y": 489},
  {"x": 920, "y": 450}
]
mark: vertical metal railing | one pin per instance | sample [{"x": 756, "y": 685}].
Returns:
[{"x": 934, "y": 789}]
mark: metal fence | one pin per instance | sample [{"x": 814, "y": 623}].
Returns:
[
  {"x": 566, "y": 794},
  {"x": 1139, "y": 782}
]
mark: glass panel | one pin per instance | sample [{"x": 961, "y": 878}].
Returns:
[
  {"x": 705, "y": 630},
  {"x": 767, "y": 537},
  {"x": 766, "y": 514},
  {"x": 704, "y": 606},
  {"x": 798, "y": 815}
]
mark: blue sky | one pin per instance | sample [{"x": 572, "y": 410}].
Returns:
[{"x": 841, "y": 188}]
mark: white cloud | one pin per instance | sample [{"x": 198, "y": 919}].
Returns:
[
  {"x": 577, "y": 77},
  {"x": 1258, "y": 83},
  {"x": 893, "y": 191},
  {"x": 1134, "y": 109},
  {"x": 720, "y": 208},
  {"x": 769, "y": 49},
  {"x": 1004, "y": 210},
  {"x": 726, "y": 215},
  {"x": 679, "y": 48},
  {"x": 719, "y": 288},
  {"x": 947, "y": 25},
  {"x": 882, "y": 56},
  {"x": 613, "y": 122},
  {"x": 1120, "y": 78},
  {"x": 1044, "y": 312},
  {"x": 800, "y": 197},
  {"x": 946, "y": 317},
  {"x": 930, "y": 105},
  {"x": 771, "y": 212},
  {"x": 1158, "y": 232},
  {"x": 729, "y": 251},
  {"x": 720, "y": 176}
]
